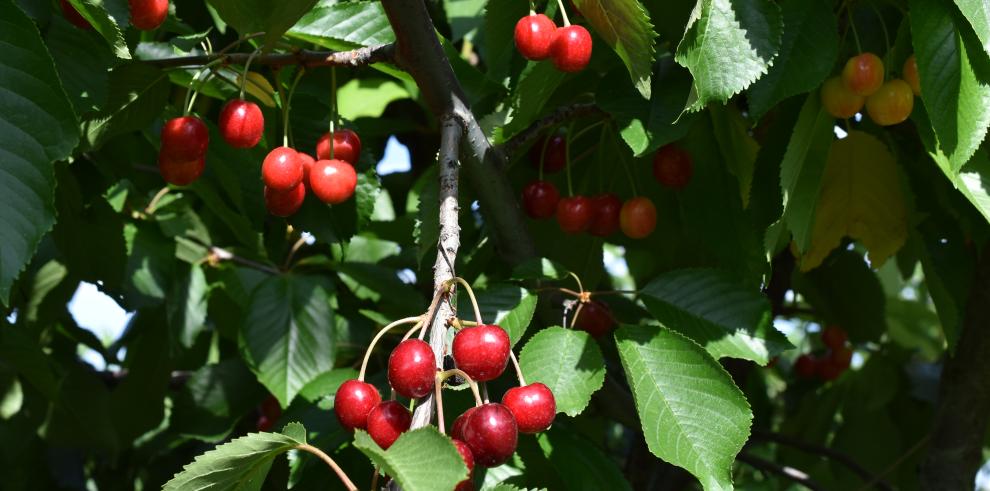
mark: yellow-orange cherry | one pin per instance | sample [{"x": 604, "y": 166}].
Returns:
[
  {"x": 863, "y": 74},
  {"x": 891, "y": 104},
  {"x": 838, "y": 100},
  {"x": 910, "y": 73}
]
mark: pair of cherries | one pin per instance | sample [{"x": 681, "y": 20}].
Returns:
[
  {"x": 862, "y": 83},
  {"x": 146, "y": 15},
  {"x": 829, "y": 366},
  {"x": 600, "y": 215},
  {"x": 538, "y": 38},
  {"x": 287, "y": 173}
]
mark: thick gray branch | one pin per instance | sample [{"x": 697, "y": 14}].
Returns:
[{"x": 356, "y": 57}]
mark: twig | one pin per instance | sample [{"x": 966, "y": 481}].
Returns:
[
  {"x": 333, "y": 465},
  {"x": 217, "y": 254},
  {"x": 304, "y": 57},
  {"x": 562, "y": 114},
  {"x": 791, "y": 473},
  {"x": 878, "y": 479},
  {"x": 839, "y": 457}
]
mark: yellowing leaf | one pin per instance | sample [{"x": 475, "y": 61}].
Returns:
[
  {"x": 860, "y": 198},
  {"x": 259, "y": 87}
]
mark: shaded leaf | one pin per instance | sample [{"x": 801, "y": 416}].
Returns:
[
  {"x": 509, "y": 306},
  {"x": 579, "y": 462},
  {"x": 95, "y": 11},
  {"x": 137, "y": 94},
  {"x": 625, "y": 26},
  {"x": 844, "y": 291},
  {"x": 272, "y": 18},
  {"x": 803, "y": 167}
]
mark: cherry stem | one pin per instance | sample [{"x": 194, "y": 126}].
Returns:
[
  {"x": 374, "y": 477},
  {"x": 852, "y": 24},
  {"x": 191, "y": 95},
  {"x": 474, "y": 301},
  {"x": 886, "y": 38},
  {"x": 292, "y": 252},
  {"x": 437, "y": 385},
  {"x": 626, "y": 166},
  {"x": 150, "y": 209},
  {"x": 577, "y": 312},
  {"x": 367, "y": 353},
  {"x": 444, "y": 375},
  {"x": 578, "y": 280},
  {"x": 432, "y": 311},
  {"x": 333, "y": 465},
  {"x": 287, "y": 130},
  {"x": 484, "y": 390},
  {"x": 563, "y": 12},
  {"x": 567, "y": 159},
  {"x": 410, "y": 332},
  {"x": 515, "y": 363},
  {"x": 588, "y": 128},
  {"x": 543, "y": 152},
  {"x": 333, "y": 107},
  {"x": 247, "y": 69}
]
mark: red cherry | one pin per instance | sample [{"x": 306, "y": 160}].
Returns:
[
  {"x": 346, "y": 146},
  {"x": 672, "y": 166},
  {"x": 72, "y": 15},
  {"x": 555, "y": 157},
  {"x": 147, "y": 15},
  {"x": 285, "y": 203},
  {"x": 491, "y": 433},
  {"x": 468, "y": 457},
  {"x": 533, "y": 36},
  {"x": 540, "y": 199},
  {"x": 532, "y": 405},
  {"x": 180, "y": 172},
  {"x": 604, "y": 214},
  {"x": 571, "y": 48},
  {"x": 841, "y": 357},
  {"x": 333, "y": 181},
  {"x": 353, "y": 402},
  {"x": 387, "y": 421},
  {"x": 574, "y": 214},
  {"x": 241, "y": 123},
  {"x": 264, "y": 423},
  {"x": 595, "y": 319},
  {"x": 457, "y": 429},
  {"x": 806, "y": 366},
  {"x": 184, "y": 138},
  {"x": 481, "y": 351},
  {"x": 282, "y": 169},
  {"x": 828, "y": 369},
  {"x": 834, "y": 337},
  {"x": 307, "y": 163},
  {"x": 271, "y": 407},
  {"x": 412, "y": 368},
  {"x": 638, "y": 218}
]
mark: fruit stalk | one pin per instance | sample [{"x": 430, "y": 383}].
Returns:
[
  {"x": 374, "y": 341},
  {"x": 329, "y": 461}
]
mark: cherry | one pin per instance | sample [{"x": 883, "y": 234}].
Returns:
[
  {"x": 481, "y": 351},
  {"x": 841, "y": 357},
  {"x": 863, "y": 74},
  {"x": 533, "y": 36},
  {"x": 834, "y": 337},
  {"x": 72, "y": 15},
  {"x": 457, "y": 429},
  {"x": 270, "y": 412},
  {"x": 180, "y": 172},
  {"x": 891, "y": 104},
  {"x": 147, "y": 15},
  {"x": 241, "y": 123},
  {"x": 307, "y": 163},
  {"x": 282, "y": 169},
  {"x": 806, "y": 366},
  {"x": 839, "y": 101},
  {"x": 828, "y": 370},
  {"x": 184, "y": 138},
  {"x": 532, "y": 405},
  {"x": 284, "y": 203},
  {"x": 910, "y": 73},
  {"x": 574, "y": 214},
  {"x": 555, "y": 157},
  {"x": 387, "y": 421},
  {"x": 595, "y": 319},
  {"x": 353, "y": 402},
  {"x": 468, "y": 457},
  {"x": 264, "y": 423},
  {"x": 346, "y": 146},
  {"x": 638, "y": 218},
  {"x": 604, "y": 215},
  {"x": 540, "y": 199},
  {"x": 333, "y": 181},
  {"x": 412, "y": 368},
  {"x": 571, "y": 48},
  {"x": 672, "y": 166},
  {"x": 491, "y": 433}
]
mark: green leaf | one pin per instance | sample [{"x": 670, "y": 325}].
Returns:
[
  {"x": 728, "y": 45},
  {"x": 497, "y": 44},
  {"x": 537, "y": 83},
  {"x": 421, "y": 459},
  {"x": 540, "y": 269},
  {"x": 803, "y": 167},
  {"x": 808, "y": 49},
  {"x": 845, "y": 292},
  {"x": 954, "y": 79},
  {"x": 37, "y": 126},
  {"x": 509, "y": 306},
  {"x": 81, "y": 414},
  {"x": 738, "y": 148},
  {"x": 272, "y": 18},
  {"x": 96, "y": 13},
  {"x": 625, "y": 26},
  {"x": 214, "y": 398},
  {"x": 977, "y": 12},
  {"x": 138, "y": 403},
  {"x": 187, "y": 306},
  {"x": 137, "y": 94},
  {"x": 368, "y": 97},
  {"x": 82, "y": 61},
  {"x": 579, "y": 462},
  {"x": 948, "y": 267},
  {"x": 89, "y": 236},
  {"x": 427, "y": 231},
  {"x": 721, "y": 315},
  {"x": 569, "y": 362},
  {"x": 693, "y": 416},
  {"x": 11, "y": 395},
  {"x": 240, "y": 464},
  {"x": 289, "y": 333},
  {"x": 343, "y": 25}
]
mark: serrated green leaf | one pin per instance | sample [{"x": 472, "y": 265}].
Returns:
[
  {"x": 82, "y": 61},
  {"x": 693, "y": 416},
  {"x": 509, "y": 306},
  {"x": 215, "y": 396},
  {"x": 421, "y": 459},
  {"x": 579, "y": 462},
  {"x": 187, "y": 306},
  {"x": 37, "y": 126},
  {"x": 803, "y": 167},
  {"x": 625, "y": 26},
  {"x": 536, "y": 83},
  {"x": 977, "y": 12},
  {"x": 343, "y": 25},
  {"x": 569, "y": 362},
  {"x": 721, "y": 315},
  {"x": 272, "y": 18},
  {"x": 738, "y": 148},
  {"x": 808, "y": 49},
  {"x": 727, "y": 46},
  {"x": 240, "y": 464},
  {"x": 844, "y": 291},
  {"x": 138, "y": 93},
  {"x": 112, "y": 30}
]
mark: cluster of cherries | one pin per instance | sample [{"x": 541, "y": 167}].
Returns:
[
  {"x": 862, "y": 82},
  {"x": 538, "y": 38},
  {"x": 146, "y": 15},
  {"x": 830, "y": 364}
]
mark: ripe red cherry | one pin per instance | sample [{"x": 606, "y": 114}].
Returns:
[
  {"x": 387, "y": 421},
  {"x": 491, "y": 433},
  {"x": 540, "y": 199},
  {"x": 333, "y": 181},
  {"x": 184, "y": 138},
  {"x": 571, "y": 48},
  {"x": 834, "y": 337},
  {"x": 307, "y": 163},
  {"x": 468, "y": 457},
  {"x": 672, "y": 166},
  {"x": 147, "y": 15},
  {"x": 412, "y": 368},
  {"x": 346, "y": 146},
  {"x": 180, "y": 172},
  {"x": 282, "y": 169},
  {"x": 72, "y": 15},
  {"x": 353, "y": 402},
  {"x": 481, "y": 351},
  {"x": 604, "y": 215},
  {"x": 270, "y": 412},
  {"x": 241, "y": 123},
  {"x": 555, "y": 157},
  {"x": 841, "y": 357},
  {"x": 285, "y": 203},
  {"x": 828, "y": 369},
  {"x": 638, "y": 218},
  {"x": 595, "y": 319},
  {"x": 806, "y": 366},
  {"x": 457, "y": 429},
  {"x": 532, "y": 405},
  {"x": 533, "y": 36},
  {"x": 574, "y": 214},
  {"x": 863, "y": 74}
]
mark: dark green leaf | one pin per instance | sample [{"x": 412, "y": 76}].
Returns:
[
  {"x": 844, "y": 291},
  {"x": 272, "y": 18},
  {"x": 137, "y": 94},
  {"x": 625, "y": 26},
  {"x": 540, "y": 269},
  {"x": 82, "y": 61},
  {"x": 509, "y": 306},
  {"x": 579, "y": 462},
  {"x": 214, "y": 398},
  {"x": 138, "y": 403},
  {"x": 803, "y": 167},
  {"x": 95, "y": 11},
  {"x": 187, "y": 306},
  {"x": 536, "y": 83}
]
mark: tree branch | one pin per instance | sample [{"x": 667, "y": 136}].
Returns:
[
  {"x": 562, "y": 114},
  {"x": 839, "y": 457},
  {"x": 791, "y": 473},
  {"x": 308, "y": 58}
]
